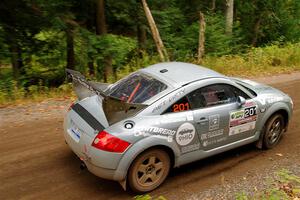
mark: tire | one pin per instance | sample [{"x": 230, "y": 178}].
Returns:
[
  {"x": 149, "y": 170},
  {"x": 273, "y": 131}
]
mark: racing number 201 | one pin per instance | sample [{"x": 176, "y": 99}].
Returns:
[
  {"x": 250, "y": 111},
  {"x": 180, "y": 107}
]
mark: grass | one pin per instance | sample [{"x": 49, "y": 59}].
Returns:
[
  {"x": 258, "y": 61},
  {"x": 286, "y": 186},
  {"x": 264, "y": 61}
]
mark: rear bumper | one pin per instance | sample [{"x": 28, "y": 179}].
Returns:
[
  {"x": 101, "y": 163},
  {"x": 101, "y": 172}
]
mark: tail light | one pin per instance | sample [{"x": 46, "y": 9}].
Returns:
[
  {"x": 71, "y": 106},
  {"x": 107, "y": 142}
]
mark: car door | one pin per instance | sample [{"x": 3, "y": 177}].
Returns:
[{"x": 215, "y": 112}]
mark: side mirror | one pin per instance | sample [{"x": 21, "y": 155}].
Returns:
[{"x": 241, "y": 101}]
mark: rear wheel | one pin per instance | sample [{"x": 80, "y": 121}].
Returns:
[
  {"x": 273, "y": 131},
  {"x": 149, "y": 170}
]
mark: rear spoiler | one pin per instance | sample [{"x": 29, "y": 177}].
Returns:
[
  {"x": 79, "y": 80},
  {"x": 114, "y": 109}
]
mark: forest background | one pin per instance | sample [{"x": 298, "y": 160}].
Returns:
[{"x": 106, "y": 40}]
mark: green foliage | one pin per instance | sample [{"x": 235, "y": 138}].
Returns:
[
  {"x": 285, "y": 186},
  {"x": 148, "y": 197},
  {"x": 33, "y": 38},
  {"x": 257, "y": 61}
]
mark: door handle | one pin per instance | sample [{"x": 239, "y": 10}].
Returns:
[{"x": 202, "y": 119}]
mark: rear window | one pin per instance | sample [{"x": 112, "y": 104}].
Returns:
[{"x": 136, "y": 88}]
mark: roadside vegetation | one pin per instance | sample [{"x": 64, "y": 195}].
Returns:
[
  {"x": 106, "y": 40},
  {"x": 269, "y": 60},
  {"x": 285, "y": 186}
]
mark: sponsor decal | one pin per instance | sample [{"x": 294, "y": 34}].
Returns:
[
  {"x": 169, "y": 101},
  {"x": 189, "y": 116},
  {"x": 242, "y": 128},
  {"x": 237, "y": 115},
  {"x": 147, "y": 131},
  {"x": 269, "y": 99},
  {"x": 212, "y": 137},
  {"x": 159, "y": 106},
  {"x": 156, "y": 130},
  {"x": 189, "y": 148},
  {"x": 214, "y": 121},
  {"x": 174, "y": 118},
  {"x": 242, "y": 120},
  {"x": 176, "y": 95},
  {"x": 185, "y": 134},
  {"x": 212, "y": 134},
  {"x": 207, "y": 143}
]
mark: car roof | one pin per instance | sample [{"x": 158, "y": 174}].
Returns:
[{"x": 178, "y": 74}]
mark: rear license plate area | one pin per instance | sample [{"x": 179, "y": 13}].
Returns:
[{"x": 74, "y": 132}]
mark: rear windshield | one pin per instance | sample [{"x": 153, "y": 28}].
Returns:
[{"x": 136, "y": 88}]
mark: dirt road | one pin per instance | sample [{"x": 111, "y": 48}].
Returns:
[{"x": 35, "y": 163}]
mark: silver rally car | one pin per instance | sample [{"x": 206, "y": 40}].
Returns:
[{"x": 167, "y": 115}]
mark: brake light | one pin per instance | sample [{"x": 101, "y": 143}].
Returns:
[
  {"x": 71, "y": 106},
  {"x": 108, "y": 142}
]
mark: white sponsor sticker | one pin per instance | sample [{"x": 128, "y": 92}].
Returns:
[
  {"x": 214, "y": 121},
  {"x": 242, "y": 120},
  {"x": 185, "y": 134},
  {"x": 242, "y": 128}
]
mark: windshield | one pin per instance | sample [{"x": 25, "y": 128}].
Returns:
[{"x": 136, "y": 88}]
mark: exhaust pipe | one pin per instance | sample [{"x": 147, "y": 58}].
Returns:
[{"x": 82, "y": 166}]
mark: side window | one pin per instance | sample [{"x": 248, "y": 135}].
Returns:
[
  {"x": 180, "y": 105},
  {"x": 212, "y": 95},
  {"x": 239, "y": 92}
]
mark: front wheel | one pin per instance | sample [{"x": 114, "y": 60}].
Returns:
[
  {"x": 273, "y": 131},
  {"x": 149, "y": 170}
]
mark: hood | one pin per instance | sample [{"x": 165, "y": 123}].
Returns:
[{"x": 257, "y": 88}]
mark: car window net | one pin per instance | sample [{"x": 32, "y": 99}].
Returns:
[{"x": 136, "y": 88}]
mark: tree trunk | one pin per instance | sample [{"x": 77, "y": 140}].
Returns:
[
  {"x": 91, "y": 68},
  {"x": 213, "y": 6},
  {"x": 108, "y": 69},
  {"x": 101, "y": 29},
  {"x": 163, "y": 55},
  {"x": 229, "y": 16},
  {"x": 16, "y": 56},
  {"x": 142, "y": 37},
  {"x": 256, "y": 32},
  {"x": 201, "y": 47},
  {"x": 89, "y": 27},
  {"x": 16, "y": 60},
  {"x": 70, "y": 49}
]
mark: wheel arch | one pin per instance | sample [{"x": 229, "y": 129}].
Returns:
[
  {"x": 273, "y": 110},
  {"x": 277, "y": 109},
  {"x": 142, "y": 146}
]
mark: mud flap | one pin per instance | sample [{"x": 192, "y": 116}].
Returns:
[
  {"x": 259, "y": 143},
  {"x": 123, "y": 184}
]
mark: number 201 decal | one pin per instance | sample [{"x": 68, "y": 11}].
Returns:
[
  {"x": 250, "y": 111},
  {"x": 180, "y": 107}
]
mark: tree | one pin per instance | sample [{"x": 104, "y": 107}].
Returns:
[
  {"x": 201, "y": 37},
  {"x": 229, "y": 16},
  {"x": 155, "y": 33},
  {"x": 15, "y": 16},
  {"x": 101, "y": 29}
]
